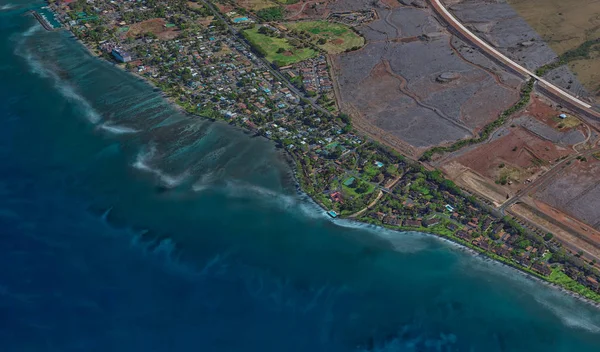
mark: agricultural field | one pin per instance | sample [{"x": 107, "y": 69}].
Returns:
[
  {"x": 256, "y": 5},
  {"x": 277, "y": 50},
  {"x": 334, "y": 38},
  {"x": 566, "y": 25}
]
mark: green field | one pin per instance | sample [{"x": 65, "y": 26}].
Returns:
[
  {"x": 268, "y": 47},
  {"x": 338, "y": 37}
]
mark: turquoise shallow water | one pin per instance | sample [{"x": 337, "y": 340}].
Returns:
[{"x": 127, "y": 226}]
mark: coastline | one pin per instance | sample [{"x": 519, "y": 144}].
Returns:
[{"x": 294, "y": 166}]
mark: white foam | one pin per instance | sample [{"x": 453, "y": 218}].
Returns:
[
  {"x": 565, "y": 305},
  {"x": 141, "y": 163},
  {"x": 401, "y": 241},
  {"x": 571, "y": 312},
  {"x": 241, "y": 189},
  {"x": 67, "y": 90},
  {"x": 7, "y": 7},
  {"x": 115, "y": 129},
  {"x": 70, "y": 93},
  {"x": 31, "y": 30}
]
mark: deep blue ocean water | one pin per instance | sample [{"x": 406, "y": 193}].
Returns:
[{"x": 127, "y": 226}]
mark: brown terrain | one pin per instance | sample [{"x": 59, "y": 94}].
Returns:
[
  {"x": 516, "y": 154},
  {"x": 304, "y": 10},
  {"x": 516, "y": 162},
  {"x": 155, "y": 26},
  {"x": 416, "y": 84}
]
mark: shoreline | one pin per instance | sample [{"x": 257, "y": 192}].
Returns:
[{"x": 294, "y": 166}]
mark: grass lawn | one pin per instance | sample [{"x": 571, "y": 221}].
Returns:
[
  {"x": 562, "y": 279},
  {"x": 269, "y": 46},
  {"x": 338, "y": 37},
  {"x": 352, "y": 190},
  {"x": 568, "y": 123}
]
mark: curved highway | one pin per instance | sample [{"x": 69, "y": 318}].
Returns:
[{"x": 474, "y": 39}]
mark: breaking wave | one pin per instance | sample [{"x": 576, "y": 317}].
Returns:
[
  {"x": 66, "y": 89},
  {"x": 141, "y": 163},
  {"x": 293, "y": 203},
  {"x": 115, "y": 129},
  {"x": 565, "y": 305}
]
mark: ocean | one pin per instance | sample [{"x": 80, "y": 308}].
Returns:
[{"x": 128, "y": 226}]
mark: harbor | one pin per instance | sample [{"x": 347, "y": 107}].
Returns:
[{"x": 46, "y": 18}]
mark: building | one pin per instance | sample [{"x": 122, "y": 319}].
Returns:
[
  {"x": 121, "y": 55},
  {"x": 431, "y": 222}
]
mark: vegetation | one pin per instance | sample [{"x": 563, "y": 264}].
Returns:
[
  {"x": 488, "y": 129},
  {"x": 560, "y": 278},
  {"x": 269, "y": 47},
  {"x": 270, "y": 14},
  {"x": 332, "y": 37},
  {"x": 581, "y": 52}
]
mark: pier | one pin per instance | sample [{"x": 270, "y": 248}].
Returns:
[{"x": 43, "y": 21}]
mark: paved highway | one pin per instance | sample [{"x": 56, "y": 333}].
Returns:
[{"x": 457, "y": 25}]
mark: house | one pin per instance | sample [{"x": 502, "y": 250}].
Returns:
[
  {"x": 391, "y": 220},
  {"x": 452, "y": 227},
  {"x": 542, "y": 268},
  {"x": 412, "y": 223},
  {"x": 431, "y": 222},
  {"x": 525, "y": 262},
  {"x": 484, "y": 244},
  {"x": 121, "y": 55},
  {"x": 463, "y": 234},
  {"x": 592, "y": 282}
]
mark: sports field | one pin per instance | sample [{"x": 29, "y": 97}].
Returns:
[
  {"x": 338, "y": 37},
  {"x": 277, "y": 50}
]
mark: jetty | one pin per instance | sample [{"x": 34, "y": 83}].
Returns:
[{"x": 43, "y": 21}]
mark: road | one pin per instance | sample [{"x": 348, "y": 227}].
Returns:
[
  {"x": 490, "y": 50},
  {"x": 545, "y": 178},
  {"x": 265, "y": 63}
]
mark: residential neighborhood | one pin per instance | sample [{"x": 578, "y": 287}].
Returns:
[{"x": 191, "y": 54}]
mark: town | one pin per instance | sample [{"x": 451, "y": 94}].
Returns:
[{"x": 222, "y": 62}]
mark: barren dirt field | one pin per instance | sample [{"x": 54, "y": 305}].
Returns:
[
  {"x": 255, "y": 5},
  {"x": 576, "y": 191},
  {"x": 517, "y": 154},
  {"x": 310, "y": 9},
  {"x": 451, "y": 97},
  {"x": 155, "y": 26}
]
